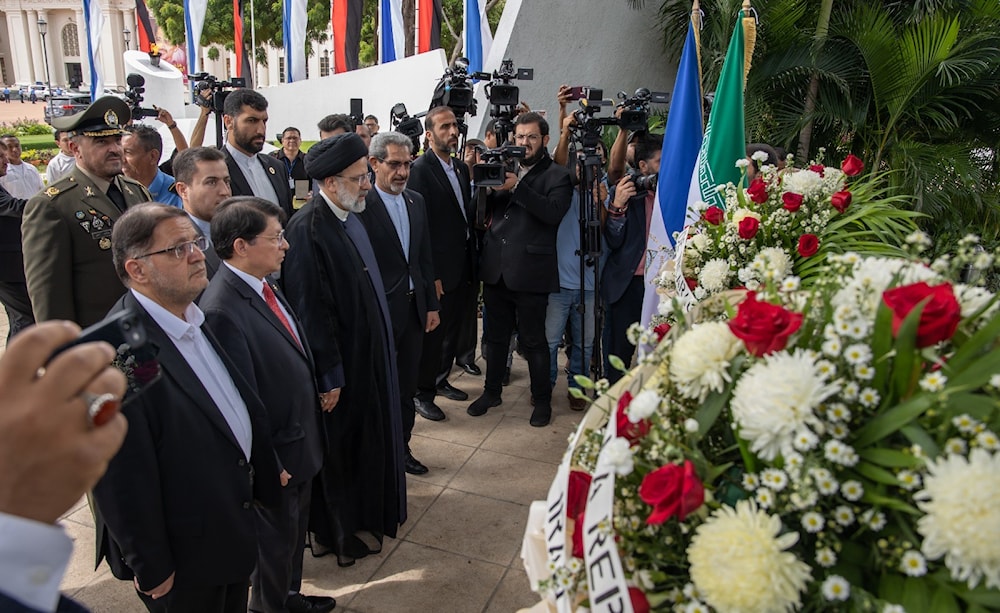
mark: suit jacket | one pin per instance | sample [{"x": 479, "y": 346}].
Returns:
[
  {"x": 212, "y": 261},
  {"x": 396, "y": 270},
  {"x": 279, "y": 368},
  {"x": 626, "y": 242},
  {"x": 275, "y": 172},
  {"x": 519, "y": 244},
  {"x": 11, "y": 260},
  {"x": 453, "y": 243},
  {"x": 66, "y": 237},
  {"x": 179, "y": 495}
]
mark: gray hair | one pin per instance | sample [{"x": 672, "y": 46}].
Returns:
[{"x": 381, "y": 141}]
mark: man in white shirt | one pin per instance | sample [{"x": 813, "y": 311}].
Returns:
[
  {"x": 63, "y": 162},
  {"x": 22, "y": 180}
]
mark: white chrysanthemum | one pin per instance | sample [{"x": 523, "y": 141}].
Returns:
[
  {"x": 741, "y": 214},
  {"x": 836, "y": 587},
  {"x": 699, "y": 242},
  {"x": 775, "y": 260},
  {"x": 933, "y": 382},
  {"x": 995, "y": 381},
  {"x": 643, "y": 406},
  {"x": 961, "y": 499},
  {"x": 740, "y": 563},
  {"x": 742, "y": 163},
  {"x": 770, "y": 421},
  {"x": 825, "y": 557},
  {"x": 699, "y": 360},
  {"x": 813, "y": 522},
  {"x": 617, "y": 454},
  {"x": 805, "y": 182},
  {"x": 696, "y": 606},
  {"x": 972, "y": 299},
  {"x": 714, "y": 275},
  {"x": 913, "y": 564}
]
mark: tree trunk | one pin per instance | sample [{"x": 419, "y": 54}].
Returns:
[
  {"x": 409, "y": 21},
  {"x": 822, "y": 29}
]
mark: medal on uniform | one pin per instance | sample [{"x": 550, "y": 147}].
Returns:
[
  {"x": 80, "y": 214},
  {"x": 92, "y": 212},
  {"x": 90, "y": 192},
  {"x": 104, "y": 243},
  {"x": 98, "y": 224},
  {"x": 85, "y": 225}
]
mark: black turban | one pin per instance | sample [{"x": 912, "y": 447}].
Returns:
[{"x": 332, "y": 155}]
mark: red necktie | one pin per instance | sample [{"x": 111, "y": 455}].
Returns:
[{"x": 272, "y": 302}]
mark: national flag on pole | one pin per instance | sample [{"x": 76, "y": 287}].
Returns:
[
  {"x": 94, "y": 18},
  {"x": 194, "y": 21},
  {"x": 725, "y": 135},
  {"x": 345, "y": 16},
  {"x": 390, "y": 24},
  {"x": 294, "y": 36},
  {"x": 681, "y": 142},
  {"x": 428, "y": 25},
  {"x": 239, "y": 46},
  {"x": 143, "y": 27},
  {"x": 476, "y": 34}
]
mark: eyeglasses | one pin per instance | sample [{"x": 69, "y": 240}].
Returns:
[
  {"x": 359, "y": 179},
  {"x": 531, "y": 138},
  {"x": 280, "y": 237},
  {"x": 395, "y": 165},
  {"x": 180, "y": 251}
]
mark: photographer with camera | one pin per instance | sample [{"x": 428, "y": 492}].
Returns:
[
  {"x": 626, "y": 232},
  {"x": 519, "y": 266}
]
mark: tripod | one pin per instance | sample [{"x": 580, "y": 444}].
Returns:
[{"x": 588, "y": 164}]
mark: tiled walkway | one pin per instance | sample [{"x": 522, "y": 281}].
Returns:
[{"x": 459, "y": 551}]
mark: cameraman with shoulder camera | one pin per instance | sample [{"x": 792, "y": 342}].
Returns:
[
  {"x": 626, "y": 232},
  {"x": 519, "y": 265}
]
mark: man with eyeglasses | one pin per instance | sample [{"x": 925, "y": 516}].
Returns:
[
  {"x": 396, "y": 220},
  {"x": 203, "y": 183},
  {"x": 333, "y": 282},
  {"x": 66, "y": 229},
  {"x": 259, "y": 331},
  {"x": 519, "y": 266},
  {"x": 292, "y": 157},
  {"x": 175, "y": 512}
]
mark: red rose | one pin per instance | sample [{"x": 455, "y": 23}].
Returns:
[
  {"x": 748, "y": 227},
  {"x": 576, "y": 492},
  {"x": 792, "y": 201},
  {"x": 626, "y": 429},
  {"x": 940, "y": 316},
  {"x": 763, "y": 327},
  {"x": 577, "y": 540},
  {"x": 818, "y": 169},
  {"x": 808, "y": 245},
  {"x": 691, "y": 283},
  {"x": 757, "y": 191},
  {"x": 661, "y": 330},
  {"x": 639, "y": 602},
  {"x": 852, "y": 165},
  {"x": 841, "y": 200},
  {"x": 674, "y": 491},
  {"x": 714, "y": 215}
]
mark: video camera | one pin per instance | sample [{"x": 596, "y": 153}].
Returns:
[
  {"x": 401, "y": 122},
  {"x": 635, "y": 114},
  {"x": 454, "y": 90},
  {"x": 496, "y": 163},
  {"x": 504, "y": 98},
  {"x": 204, "y": 82},
  {"x": 133, "y": 96}
]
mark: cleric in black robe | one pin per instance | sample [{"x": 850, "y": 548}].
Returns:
[{"x": 332, "y": 281}]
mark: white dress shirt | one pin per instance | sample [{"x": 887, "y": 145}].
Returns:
[
  {"x": 452, "y": 174},
  {"x": 191, "y": 342},
  {"x": 33, "y": 559},
  {"x": 255, "y": 173},
  {"x": 22, "y": 180}
]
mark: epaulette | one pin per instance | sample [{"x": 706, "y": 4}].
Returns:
[{"x": 62, "y": 185}]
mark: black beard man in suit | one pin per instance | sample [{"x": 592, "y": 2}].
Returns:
[
  {"x": 261, "y": 334},
  {"x": 519, "y": 266},
  {"x": 175, "y": 511},
  {"x": 396, "y": 221}
]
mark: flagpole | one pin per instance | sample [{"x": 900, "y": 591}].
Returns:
[{"x": 253, "y": 46}]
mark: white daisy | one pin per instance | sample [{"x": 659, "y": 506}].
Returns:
[
  {"x": 838, "y": 411},
  {"x": 764, "y": 497},
  {"x": 826, "y": 368},
  {"x": 774, "y": 478},
  {"x": 965, "y": 423},
  {"x": 988, "y": 440},
  {"x": 956, "y": 445},
  {"x": 913, "y": 564},
  {"x": 804, "y": 440},
  {"x": 869, "y": 397},
  {"x": 852, "y": 490},
  {"x": 933, "y": 382},
  {"x": 836, "y": 587},
  {"x": 893, "y": 608},
  {"x": 843, "y": 515},
  {"x": 825, "y": 557},
  {"x": 831, "y": 347},
  {"x": 858, "y": 353},
  {"x": 908, "y": 480},
  {"x": 750, "y": 482},
  {"x": 864, "y": 372},
  {"x": 813, "y": 522},
  {"x": 849, "y": 391}
]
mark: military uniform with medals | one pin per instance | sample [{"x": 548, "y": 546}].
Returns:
[{"x": 66, "y": 232}]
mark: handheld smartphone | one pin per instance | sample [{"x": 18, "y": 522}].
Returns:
[
  {"x": 134, "y": 356},
  {"x": 577, "y": 92},
  {"x": 357, "y": 110}
]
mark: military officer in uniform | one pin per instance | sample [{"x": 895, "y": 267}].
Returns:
[{"x": 66, "y": 230}]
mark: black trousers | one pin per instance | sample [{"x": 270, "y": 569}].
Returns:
[
  {"x": 409, "y": 346},
  {"x": 230, "y": 598},
  {"x": 526, "y": 311},
  {"x": 281, "y": 537},
  {"x": 622, "y": 314},
  {"x": 440, "y": 345},
  {"x": 14, "y": 297},
  {"x": 468, "y": 331}
]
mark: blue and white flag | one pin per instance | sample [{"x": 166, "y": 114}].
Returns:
[
  {"x": 294, "y": 36},
  {"x": 681, "y": 142},
  {"x": 476, "y": 34},
  {"x": 94, "y": 18},
  {"x": 390, "y": 20},
  {"x": 194, "y": 21}
]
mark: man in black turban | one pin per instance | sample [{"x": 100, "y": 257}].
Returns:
[{"x": 331, "y": 278}]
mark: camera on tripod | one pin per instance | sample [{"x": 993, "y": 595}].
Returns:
[
  {"x": 133, "y": 96},
  {"x": 401, "y": 122},
  {"x": 454, "y": 90},
  {"x": 496, "y": 164},
  {"x": 500, "y": 91},
  {"x": 635, "y": 114},
  {"x": 204, "y": 83}
]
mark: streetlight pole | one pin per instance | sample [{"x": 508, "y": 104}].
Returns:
[
  {"x": 43, "y": 29},
  {"x": 127, "y": 35}
]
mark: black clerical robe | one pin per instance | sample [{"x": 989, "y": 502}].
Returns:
[{"x": 336, "y": 292}]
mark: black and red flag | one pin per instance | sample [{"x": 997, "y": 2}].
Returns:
[
  {"x": 239, "y": 45},
  {"x": 346, "y": 18},
  {"x": 144, "y": 27},
  {"x": 429, "y": 26}
]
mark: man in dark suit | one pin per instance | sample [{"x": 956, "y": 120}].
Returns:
[
  {"x": 396, "y": 221},
  {"x": 252, "y": 172},
  {"x": 175, "y": 510},
  {"x": 519, "y": 266},
  {"x": 626, "y": 232},
  {"x": 260, "y": 333},
  {"x": 443, "y": 181},
  {"x": 13, "y": 288},
  {"x": 203, "y": 182},
  {"x": 66, "y": 230}
]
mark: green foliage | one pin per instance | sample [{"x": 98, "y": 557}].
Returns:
[{"x": 26, "y": 127}]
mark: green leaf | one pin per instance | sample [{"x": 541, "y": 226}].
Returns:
[
  {"x": 889, "y": 458},
  {"x": 891, "y": 420},
  {"x": 907, "y": 362},
  {"x": 710, "y": 410},
  {"x": 891, "y": 587},
  {"x": 974, "y": 346},
  {"x": 890, "y": 503},
  {"x": 882, "y": 346},
  {"x": 943, "y": 601},
  {"x": 916, "y": 595},
  {"x": 918, "y": 436},
  {"x": 877, "y": 474},
  {"x": 976, "y": 375},
  {"x": 989, "y": 598},
  {"x": 979, "y": 406}
]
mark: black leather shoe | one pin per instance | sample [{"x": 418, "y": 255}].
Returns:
[
  {"x": 471, "y": 369},
  {"x": 322, "y": 603},
  {"x": 413, "y": 466},
  {"x": 428, "y": 410},
  {"x": 451, "y": 392},
  {"x": 297, "y": 603},
  {"x": 482, "y": 404},
  {"x": 541, "y": 415}
]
